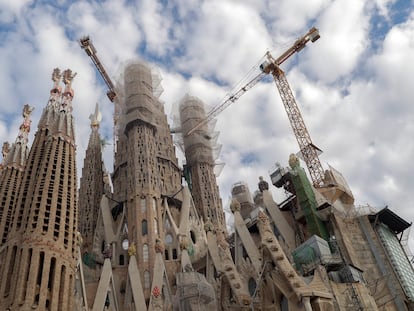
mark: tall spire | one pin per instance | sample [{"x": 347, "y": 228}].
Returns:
[
  {"x": 145, "y": 169},
  {"x": 56, "y": 90},
  {"x": 25, "y": 126},
  {"x": 96, "y": 117},
  {"x": 4, "y": 152},
  {"x": 65, "y": 126},
  {"x": 199, "y": 169},
  {"x": 66, "y": 104},
  {"x": 14, "y": 161},
  {"x": 56, "y": 76},
  {"x": 41, "y": 245},
  {"x": 91, "y": 184},
  {"x": 19, "y": 151}
]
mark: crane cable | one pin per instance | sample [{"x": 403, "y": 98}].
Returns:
[{"x": 234, "y": 95}]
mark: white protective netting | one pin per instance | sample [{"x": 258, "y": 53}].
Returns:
[{"x": 201, "y": 145}]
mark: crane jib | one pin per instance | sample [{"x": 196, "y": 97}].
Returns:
[{"x": 271, "y": 66}]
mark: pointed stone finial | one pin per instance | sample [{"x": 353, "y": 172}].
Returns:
[
  {"x": 68, "y": 77},
  {"x": 5, "y": 149},
  {"x": 27, "y": 111},
  {"x": 96, "y": 117},
  {"x": 25, "y": 126},
  {"x": 56, "y": 76},
  {"x": 67, "y": 96}
]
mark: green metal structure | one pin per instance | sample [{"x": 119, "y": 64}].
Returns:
[{"x": 306, "y": 199}]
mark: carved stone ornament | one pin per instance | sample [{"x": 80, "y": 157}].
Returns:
[
  {"x": 184, "y": 243},
  {"x": 132, "y": 250},
  {"x": 208, "y": 226},
  {"x": 235, "y": 205},
  {"x": 263, "y": 185},
  {"x": 156, "y": 292},
  {"x": 56, "y": 75},
  {"x": 6, "y": 149},
  {"x": 159, "y": 246},
  {"x": 263, "y": 218}
]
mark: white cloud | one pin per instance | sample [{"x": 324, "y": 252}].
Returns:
[
  {"x": 344, "y": 29},
  {"x": 227, "y": 39},
  {"x": 112, "y": 27},
  {"x": 357, "y": 105},
  {"x": 156, "y": 26},
  {"x": 9, "y": 9},
  {"x": 383, "y": 7},
  {"x": 393, "y": 65},
  {"x": 292, "y": 16}
]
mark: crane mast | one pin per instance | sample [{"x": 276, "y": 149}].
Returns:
[
  {"x": 271, "y": 66},
  {"x": 308, "y": 150}
]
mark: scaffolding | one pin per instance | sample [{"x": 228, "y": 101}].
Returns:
[
  {"x": 201, "y": 145},
  {"x": 138, "y": 91},
  {"x": 194, "y": 290}
]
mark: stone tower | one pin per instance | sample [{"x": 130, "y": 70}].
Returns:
[
  {"x": 148, "y": 233},
  {"x": 14, "y": 162},
  {"x": 91, "y": 184},
  {"x": 200, "y": 162},
  {"x": 146, "y": 169},
  {"x": 41, "y": 247}
]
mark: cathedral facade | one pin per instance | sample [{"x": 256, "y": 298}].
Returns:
[{"x": 152, "y": 234}]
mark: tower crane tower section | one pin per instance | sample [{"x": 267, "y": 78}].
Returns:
[
  {"x": 307, "y": 149},
  {"x": 271, "y": 66}
]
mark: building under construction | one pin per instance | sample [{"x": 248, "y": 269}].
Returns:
[{"x": 151, "y": 234}]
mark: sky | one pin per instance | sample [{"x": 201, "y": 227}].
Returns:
[{"x": 353, "y": 85}]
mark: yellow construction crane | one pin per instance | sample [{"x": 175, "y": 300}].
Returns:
[{"x": 271, "y": 66}]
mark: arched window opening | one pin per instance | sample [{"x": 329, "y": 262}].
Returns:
[
  {"x": 144, "y": 228},
  {"x": 284, "y": 304},
  {"x": 168, "y": 239},
  {"x": 145, "y": 253},
  {"x": 155, "y": 226},
  {"x": 147, "y": 280},
  {"x": 193, "y": 236},
  {"x": 103, "y": 246},
  {"x": 143, "y": 205},
  {"x": 154, "y": 207},
  {"x": 122, "y": 288},
  {"x": 252, "y": 286}
]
